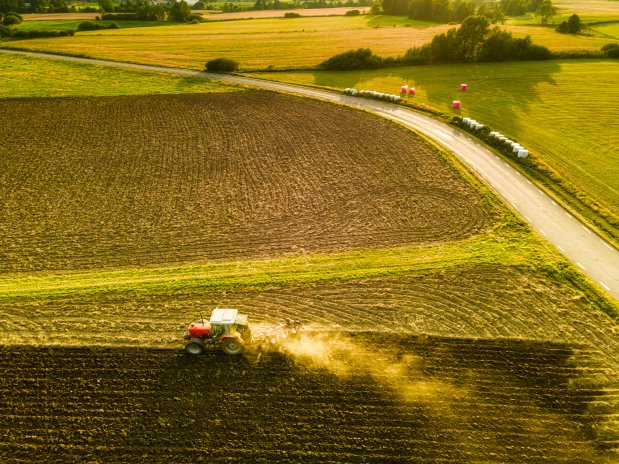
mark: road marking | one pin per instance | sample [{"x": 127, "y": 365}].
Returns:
[
  {"x": 543, "y": 233},
  {"x": 580, "y": 266},
  {"x": 568, "y": 214},
  {"x": 606, "y": 245},
  {"x": 586, "y": 229},
  {"x": 604, "y": 285},
  {"x": 529, "y": 182},
  {"x": 554, "y": 202},
  {"x": 528, "y": 220},
  {"x": 518, "y": 172},
  {"x": 561, "y": 249},
  {"x": 443, "y": 134}
]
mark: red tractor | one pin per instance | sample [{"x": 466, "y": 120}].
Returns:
[{"x": 227, "y": 329}]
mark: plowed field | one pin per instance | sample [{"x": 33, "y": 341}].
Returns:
[
  {"x": 121, "y": 181},
  {"x": 440, "y": 329},
  {"x": 434, "y": 401}
]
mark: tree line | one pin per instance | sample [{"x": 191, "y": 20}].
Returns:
[{"x": 474, "y": 41}]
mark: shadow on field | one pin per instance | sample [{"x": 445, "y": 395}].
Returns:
[{"x": 361, "y": 398}]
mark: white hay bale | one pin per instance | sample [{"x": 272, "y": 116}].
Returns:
[{"x": 523, "y": 153}]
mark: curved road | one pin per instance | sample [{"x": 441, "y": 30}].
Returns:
[{"x": 594, "y": 256}]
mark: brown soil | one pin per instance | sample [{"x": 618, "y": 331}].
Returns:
[
  {"x": 428, "y": 401},
  {"x": 126, "y": 181}
]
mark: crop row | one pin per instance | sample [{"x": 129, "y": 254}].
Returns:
[{"x": 499, "y": 402}]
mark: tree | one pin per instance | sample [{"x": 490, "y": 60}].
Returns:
[
  {"x": 471, "y": 35},
  {"x": 546, "y": 11},
  {"x": 611, "y": 49},
  {"x": 222, "y": 65},
  {"x": 573, "y": 24},
  {"x": 420, "y": 9},
  {"x": 199, "y": 5},
  {"x": 106, "y": 5},
  {"x": 376, "y": 9},
  {"x": 180, "y": 12},
  {"x": 395, "y": 7},
  {"x": 7, "y": 6},
  {"x": 11, "y": 20},
  {"x": 462, "y": 10},
  {"x": 514, "y": 7}
]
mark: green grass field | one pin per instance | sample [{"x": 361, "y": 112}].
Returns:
[
  {"x": 277, "y": 43},
  {"x": 561, "y": 110},
  {"x": 37, "y": 77},
  {"x": 607, "y": 30}
]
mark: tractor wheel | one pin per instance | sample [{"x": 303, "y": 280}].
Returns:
[
  {"x": 194, "y": 348},
  {"x": 232, "y": 346}
]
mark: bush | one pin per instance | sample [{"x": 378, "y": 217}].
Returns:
[
  {"x": 5, "y": 31},
  {"x": 611, "y": 50},
  {"x": 194, "y": 21},
  {"x": 197, "y": 18},
  {"x": 291, "y": 14},
  {"x": 362, "y": 58},
  {"x": 352, "y": 13},
  {"x": 222, "y": 65},
  {"x": 11, "y": 20},
  {"x": 199, "y": 5},
  {"x": 36, "y": 34},
  {"x": 89, "y": 26},
  {"x": 113, "y": 26},
  {"x": 13, "y": 13},
  {"x": 562, "y": 28}
]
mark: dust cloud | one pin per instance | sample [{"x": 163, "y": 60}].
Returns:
[{"x": 388, "y": 366}]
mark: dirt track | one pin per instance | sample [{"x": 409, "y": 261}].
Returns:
[{"x": 436, "y": 401}]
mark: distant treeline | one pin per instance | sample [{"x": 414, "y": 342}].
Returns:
[
  {"x": 457, "y": 10},
  {"x": 474, "y": 41},
  {"x": 430, "y": 10},
  {"x": 287, "y": 5}
]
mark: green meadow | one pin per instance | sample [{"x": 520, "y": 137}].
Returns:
[{"x": 22, "y": 76}]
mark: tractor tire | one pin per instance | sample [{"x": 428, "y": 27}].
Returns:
[
  {"x": 232, "y": 346},
  {"x": 194, "y": 348}
]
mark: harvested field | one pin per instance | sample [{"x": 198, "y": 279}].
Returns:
[
  {"x": 255, "y": 14},
  {"x": 132, "y": 181},
  {"x": 433, "y": 401}
]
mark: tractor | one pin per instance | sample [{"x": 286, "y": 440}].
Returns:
[
  {"x": 226, "y": 329},
  {"x": 229, "y": 330}
]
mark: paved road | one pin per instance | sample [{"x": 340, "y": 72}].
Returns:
[{"x": 594, "y": 256}]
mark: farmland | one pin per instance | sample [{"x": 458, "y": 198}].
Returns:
[
  {"x": 276, "y": 43},
  {"x": 555, "y": 108},
  {"x": 441, "y": 329},
  {"x": 430, "y": 305},
  {"x": 110, "y": 219}
]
